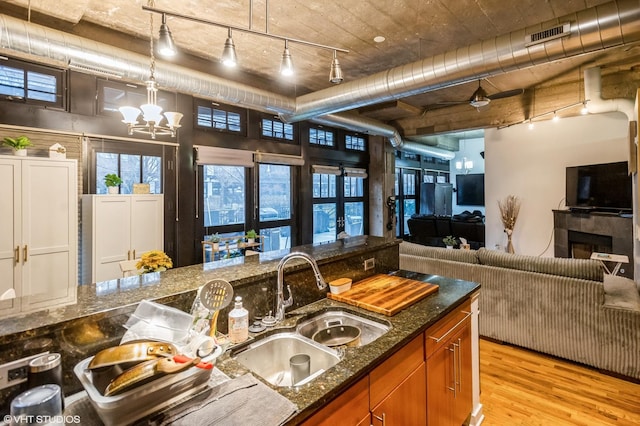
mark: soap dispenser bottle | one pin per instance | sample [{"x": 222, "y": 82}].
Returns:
[{"x": 238, "y": 322}]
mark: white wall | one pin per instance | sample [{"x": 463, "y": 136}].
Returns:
[
  {"x": 471, "y": 149},
  {"x": 531, "y": 165}
]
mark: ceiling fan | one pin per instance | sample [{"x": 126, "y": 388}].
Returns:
[{"x": 480, "y": 98}]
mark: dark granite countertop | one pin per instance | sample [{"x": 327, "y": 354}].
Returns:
[{"x": 359, "y": 361}]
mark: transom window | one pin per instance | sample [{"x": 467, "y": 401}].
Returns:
[
  {"x": 274, "y": 129},
  {"x": 113, "y": 95},
  {"x": 31, "y": 83},
  {"x": 223, "y": 118},
  {"x": 356, "y": 143},
  {"x": 321, "y": 137}
]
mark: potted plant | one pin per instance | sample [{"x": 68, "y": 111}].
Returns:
[
  {"x": 18, "y": 144},
  {"x": 215, "y": 239},
  {"x": 113, "y": 182},
  {"x": 251, "y": 236},
  {"x": 240, "y": 242},
  {"x": 449, "y": 241}
]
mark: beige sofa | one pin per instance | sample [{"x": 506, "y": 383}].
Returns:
[{"x": 554, "y": 306}]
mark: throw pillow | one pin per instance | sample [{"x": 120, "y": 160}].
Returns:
[{"x": 621, "y": 292}]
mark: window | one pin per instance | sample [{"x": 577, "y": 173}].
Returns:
[
  {"x": 275, "y": 201},
  {"x": 223, "y": 118},
  {"x": 355, "y": 143},
  {"x": 132, "y": 168},
  {"x": 405, "y": 189},
  {"x": 272, "y": 129},
  {"x": 113, "y": 95},
  {"x": 224, "y": 195},
  {"x": 33, "y": 84},
  {"x": 321, "y": 137}
]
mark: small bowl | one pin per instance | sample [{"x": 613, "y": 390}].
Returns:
[{"x": 340, "y": 285}]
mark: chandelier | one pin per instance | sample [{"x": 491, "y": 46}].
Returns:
[{"x": 151, "y": 112}]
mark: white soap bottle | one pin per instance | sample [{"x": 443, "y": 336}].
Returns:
[{"x": 238, "y": 322}]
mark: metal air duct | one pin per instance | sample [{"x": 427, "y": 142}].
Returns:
[
  {"x": 601, "y": 27},
  {"x": 596, "y": 104}
]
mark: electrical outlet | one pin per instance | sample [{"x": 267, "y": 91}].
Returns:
[
  {"x": 369, "y": 264},
  {"x": 16, "y": 372}
]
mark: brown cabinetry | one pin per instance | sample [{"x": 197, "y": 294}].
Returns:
[{"x": 449, "y": 381}]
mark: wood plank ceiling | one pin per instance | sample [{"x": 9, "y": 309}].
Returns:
[{"x": 412, "y": 29}]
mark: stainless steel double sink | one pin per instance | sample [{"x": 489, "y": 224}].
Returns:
[{"x": 269, "y": 356}]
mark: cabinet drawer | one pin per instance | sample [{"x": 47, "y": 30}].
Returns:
[
  {"x": 393, "y": 371},
  {"x": 437, "y": 334}
]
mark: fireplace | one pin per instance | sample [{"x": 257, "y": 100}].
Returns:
[{"x": 578, "y": 235}]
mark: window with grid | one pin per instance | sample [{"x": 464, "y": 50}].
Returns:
[
  {"x": 321, "y": 137},
  {"x": 355, "y": 143},
  {"x": 32, "y": 84},
  {"x": 113, "y": 95},
  {"x": 132, "y": 168},
  {"x": 275, "y": 129},
  {"x": 219, "y": 119}
]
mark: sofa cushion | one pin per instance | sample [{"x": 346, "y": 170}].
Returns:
[
  {"x": 456, "y": 255},
  {"x": 585, "y": 269},
  {"x": 621, "y": 292}
]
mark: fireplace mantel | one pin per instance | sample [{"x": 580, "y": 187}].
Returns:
[{"x": 602, "y": 227}]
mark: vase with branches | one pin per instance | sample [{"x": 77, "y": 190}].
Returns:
[{"x": 509, "y": 209}]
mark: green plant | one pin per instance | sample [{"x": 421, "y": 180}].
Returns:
[
  {"x": 215, "y": 238},
  {"x": 449, "y": 240},
  {"x": 251, "y": 233},
  {"x": 21, "y": 142},
  {"x": 112, "y": 179}
]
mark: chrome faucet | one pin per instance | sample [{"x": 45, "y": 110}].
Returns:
[{"x": 281, "y": 303}]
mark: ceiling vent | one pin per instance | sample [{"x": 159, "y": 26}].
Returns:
[{"x": 562, "y": 30}]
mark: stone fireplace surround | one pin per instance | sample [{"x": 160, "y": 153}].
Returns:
[{"x": 606, "y": 232}]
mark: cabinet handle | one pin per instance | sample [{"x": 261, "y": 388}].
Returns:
[
  {"x": 382, "y": 419},
  {"x": 457, "y": 377},
  {"x": 453, "y": 370},
  {"x": 460, "y": 364},
  {"x": 128, "y": 254},
  {"x": 134, "y": 254},
  {"x": 17, "y": 254},
  {"x": 439, "y": 339},
  {"x": 25, "y": 254}
]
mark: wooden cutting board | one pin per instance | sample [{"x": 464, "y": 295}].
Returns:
[{"x": 385, "y": 294}]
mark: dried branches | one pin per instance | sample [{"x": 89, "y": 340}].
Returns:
[{"x": 509, "y": 209}]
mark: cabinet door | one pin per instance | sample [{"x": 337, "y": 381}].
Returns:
[
  {"x": 111, "y": 230},
  {"x": 147, "y": 224},
  {"x": 440, "y": 386},
  {"x": 351, "y": 408},
  {"x": 463, "y": 402},
  {"x": 49, "y": 233},
  {"x": 406, "y": 404},
  {"x": 10, "y": 233}
]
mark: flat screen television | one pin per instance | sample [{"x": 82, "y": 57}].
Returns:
[
  {"x": 599, "y": 187},
  {"x": 470, "y": 189}
]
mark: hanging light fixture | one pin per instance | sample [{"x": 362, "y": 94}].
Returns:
[
  {"x": 151, "y": 111},
  {"x": 166, "y": 46},
  {"x": 335, "y": 75},
  {"x": 229, "y": 57},
  {"x": 286, "y": 66}
]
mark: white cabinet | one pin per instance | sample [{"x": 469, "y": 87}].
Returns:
[
  {"x": 38, "y": 233},
  {"x": 117, "y": 228}
]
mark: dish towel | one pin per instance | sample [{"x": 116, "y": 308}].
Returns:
[{"x": 237, "y": 402}]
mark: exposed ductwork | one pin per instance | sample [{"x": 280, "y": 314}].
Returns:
[
  {"x": 597, "y": 28},
  {"x": 596, "y": 104},
  {"x": 601, "y": 27}
]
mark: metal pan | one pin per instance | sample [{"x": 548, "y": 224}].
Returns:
[{"x": 338, "y": 335}]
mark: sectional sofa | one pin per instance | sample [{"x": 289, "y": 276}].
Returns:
[{"x": 554, "y": 306}]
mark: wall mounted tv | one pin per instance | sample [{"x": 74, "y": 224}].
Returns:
[
  {"x": 599, "y": 187},
  {"x": 470, "y": 189}
]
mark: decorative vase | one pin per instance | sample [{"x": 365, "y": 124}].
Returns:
[
  {"x": 20, "y": 152},
  {"x": 450, "y": 247},
  {"x": 113, "y": 189},
  {"x": 216, "y": 246},
  {"x": 509, "y": 242},
  {"x": 251, "y": 240}
]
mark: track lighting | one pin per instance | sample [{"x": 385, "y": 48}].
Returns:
[
  {"x": 229, "y": 57},
  {"x": 584, "y": 110},
  {"x": 531, "y": 126},
  {"x": 286, "y": 66},
  {"x": 166, "y": 46},
  {"x": 335, "y": 75},
  {"x": 555, "y": 117}
]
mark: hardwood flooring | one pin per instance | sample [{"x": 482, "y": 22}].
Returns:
[{"x": 521, "y": 387}]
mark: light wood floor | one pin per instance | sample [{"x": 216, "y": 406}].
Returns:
[{"x": 521, "y": 387}]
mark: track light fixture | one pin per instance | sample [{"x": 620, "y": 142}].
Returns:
[
  {"x": 229, "y": 57},
  {"x": 584, "y": 110},
  {"x": 166, "y": 46},
  {"x": 555, "y": 112},
  {"x": 335, "y": 75},
  {"x": 286, "y": 66}
]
